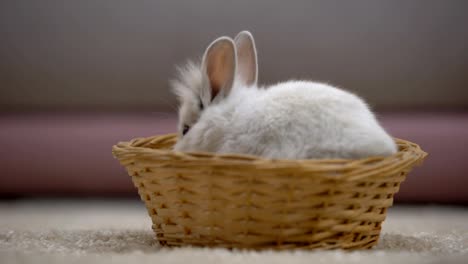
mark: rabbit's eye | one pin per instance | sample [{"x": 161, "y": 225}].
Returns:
[
  {"x": 185, "y": 129},
  {"x": 200, "y": 104}
]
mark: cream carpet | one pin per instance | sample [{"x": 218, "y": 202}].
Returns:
[{"x": 119, "y": 231}]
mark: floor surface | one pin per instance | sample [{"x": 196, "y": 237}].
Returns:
[{"x": 119, "y": 231}]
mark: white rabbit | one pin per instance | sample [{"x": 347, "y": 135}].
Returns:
[{"x": 223, "y": 111}]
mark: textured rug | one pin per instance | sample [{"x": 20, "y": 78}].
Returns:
[{"x": 91, "y": 231}]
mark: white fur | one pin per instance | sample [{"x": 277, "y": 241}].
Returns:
[
  {"x": 290, "y": 120},
  {"x": 188, "y": 89}
]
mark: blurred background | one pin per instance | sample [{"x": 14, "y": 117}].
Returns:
[{"x": 76, "y": 77}]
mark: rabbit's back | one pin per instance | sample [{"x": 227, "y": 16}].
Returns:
[{"x": 300, "y": 119}]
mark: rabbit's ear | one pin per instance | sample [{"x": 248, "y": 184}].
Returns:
[
  {"x": 219, "y": 63},
  {"x": 246, "y": 58}
]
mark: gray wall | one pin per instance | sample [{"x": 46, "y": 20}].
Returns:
[{"x": 119, "y": 54}]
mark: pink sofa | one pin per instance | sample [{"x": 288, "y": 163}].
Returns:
[
  {"x": 117, "y": 56},
  {"x": 70, "y": 154}
]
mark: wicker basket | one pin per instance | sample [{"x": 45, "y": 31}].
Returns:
[{"x": 239, "y": 201}]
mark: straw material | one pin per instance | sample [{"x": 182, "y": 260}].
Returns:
[{"x": 241, "y": 201}]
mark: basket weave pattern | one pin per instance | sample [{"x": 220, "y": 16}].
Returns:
[{"x": 239, "y": 201}]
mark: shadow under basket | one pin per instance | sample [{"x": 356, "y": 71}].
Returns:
[{"x": 241, "y": 201}]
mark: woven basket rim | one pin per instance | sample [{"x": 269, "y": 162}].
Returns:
[{"x": 409, "y": 154}]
